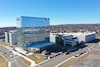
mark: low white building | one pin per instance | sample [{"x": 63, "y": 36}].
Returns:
[
  {"x": 86, "y": 37},
  {"x": 11, "y": 37},
  {"x": 70, "y": 41},
  {"x": 69, "y": 38},
  {"x": 62, "y": 39}
]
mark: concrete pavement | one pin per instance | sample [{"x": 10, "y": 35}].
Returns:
[
  {"x": 17, "y": 53},
  {"x": 15, "y": 61},
  {"x": 18, "y": 61},
  {"x": 7, "y": 53},
  {"x": 4, "y": 57}
]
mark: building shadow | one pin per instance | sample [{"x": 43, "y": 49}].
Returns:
[
  {"x": 52, "y": 48},
  {"x": 94, "y": 41},
  {"x": 56, "y": 48}
]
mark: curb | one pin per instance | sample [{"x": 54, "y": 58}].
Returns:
[
  {"x": 9, "y": 64},
  {"x": 41, "y": 63},
  {"x": 92, "y": 47}
]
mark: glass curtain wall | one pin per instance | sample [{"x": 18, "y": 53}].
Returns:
[{"x": 31, "y": 30}]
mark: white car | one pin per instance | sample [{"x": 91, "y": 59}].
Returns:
[
  {"x": 77, "y": 55},
  {"x": 11, "y": 56},
  {"x": 80, "y": 49}
]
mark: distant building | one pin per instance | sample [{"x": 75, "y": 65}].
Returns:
[
  {"x": 11, "y": 37},
  {"x": 32, "y": 32}
]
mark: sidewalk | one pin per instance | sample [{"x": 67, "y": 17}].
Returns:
[
  {"x": 16, "y": 53},
  {"x": 9, "y": 63},
  {"x": 4, "y": 57}
]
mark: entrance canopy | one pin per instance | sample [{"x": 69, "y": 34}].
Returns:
[{"x": 40, "y": 44}]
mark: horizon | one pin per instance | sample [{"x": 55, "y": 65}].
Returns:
[
  {"x": 59, "y": 12},
  {"x": 57, "y": 25}
]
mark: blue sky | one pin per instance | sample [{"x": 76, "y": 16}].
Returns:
[{"x": 59, "y": 11}]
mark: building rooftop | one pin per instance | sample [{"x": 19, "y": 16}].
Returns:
[
  {"x": 68, "y": 34},
  {"x": 12, "y": 31}
]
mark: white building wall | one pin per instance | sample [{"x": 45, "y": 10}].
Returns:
[
  {"x": 13, "y": 38},
  {"x": 52, "y": 39},
  {"x": 80, "y": 37},
  {"x": 85, "y": 38},
  {"x": 71, "y": 42},
  {"x": 6, "y": 37},
  {"x": 10, "y": 38}
]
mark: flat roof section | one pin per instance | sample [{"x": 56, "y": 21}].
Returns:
[
  {"x": 78, "y": 34},
  {"x": 40, "y": 44}
]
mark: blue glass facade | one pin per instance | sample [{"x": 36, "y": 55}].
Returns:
[{"x": 31, "y": 30}]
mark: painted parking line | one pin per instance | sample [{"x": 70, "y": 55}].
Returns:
[{"x": 94, "y": 53}]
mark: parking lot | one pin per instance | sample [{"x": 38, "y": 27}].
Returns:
[
  {"x": 92, "y": 60},
  {"x": 96, "y": 50},
  {"x": 56, "y": 50}
]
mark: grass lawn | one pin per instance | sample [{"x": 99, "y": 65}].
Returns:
[
  {"x": 5, "y": 44},
  {"x": 74, "y": 61},
  {"x": 3, "y": 63},
  {"x": 25, "y": 61},
  {"x": 36, "y": 57}
]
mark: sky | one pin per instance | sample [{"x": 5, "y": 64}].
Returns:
[{"x": 59, "y": 11}]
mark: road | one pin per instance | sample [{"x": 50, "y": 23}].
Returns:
[
  {"x": 54, "y": 61},
  {"x": 15, "y": 60}
]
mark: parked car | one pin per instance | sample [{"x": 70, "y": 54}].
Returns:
[
  {"x": 58, "y": 54},
  {"x": 84, "y": 51},
  {"x": 77, "y": 55},
  {"x": 68, "y": 52},
  {"x": 4, "y": 53},
  {"x": 65, "y": 53},
  {"x": 55, "y": 55},
  {"x": 11, "y": 56},
  {"x": 10, "y": 51},
  {"x": 81, "y": 53},
  {"x": 52, "y": 56},
  {"x": 80, "y": 49}
]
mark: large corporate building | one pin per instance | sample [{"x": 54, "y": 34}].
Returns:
[{"x": 33, "y": 32}]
